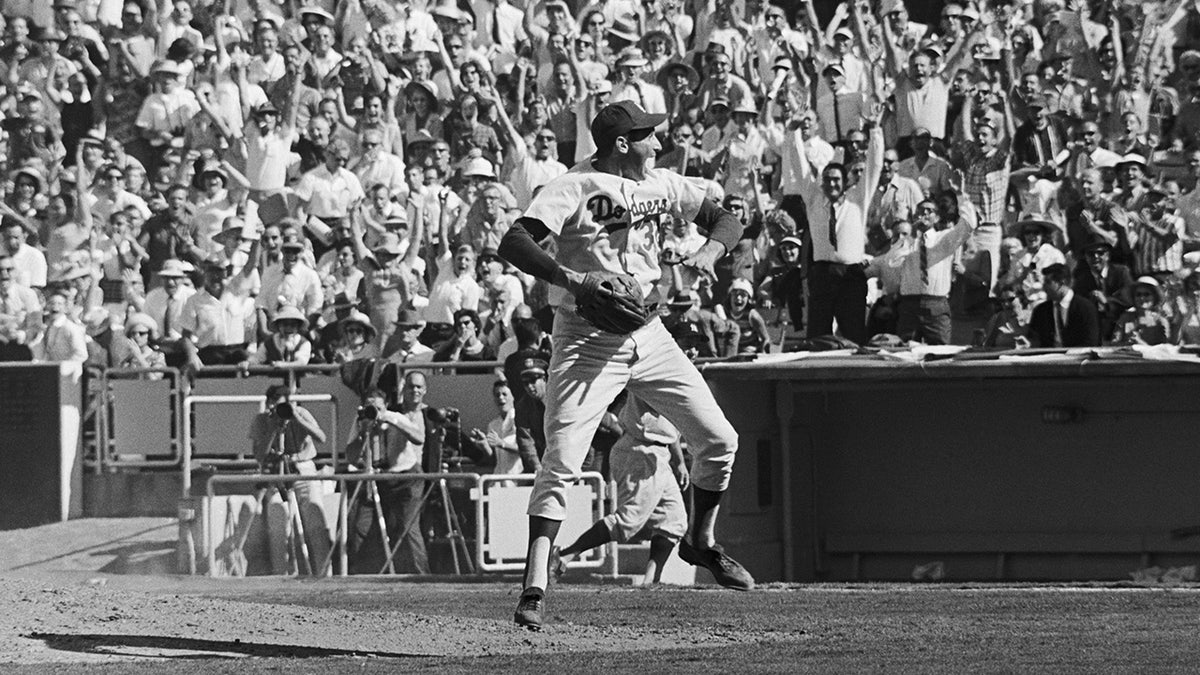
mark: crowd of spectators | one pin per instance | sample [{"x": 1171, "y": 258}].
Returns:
[{"x": 194, "y": 183}]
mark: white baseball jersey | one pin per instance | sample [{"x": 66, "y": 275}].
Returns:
[{"x": 603, "y": 222}]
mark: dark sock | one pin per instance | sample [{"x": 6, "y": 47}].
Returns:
[
  {"x": 703, "y": 502},
  {"x": 596, "y": 535}
]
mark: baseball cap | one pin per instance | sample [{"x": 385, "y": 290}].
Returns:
[
  {"x": 533, "y": 367},
  {"x": 621, "y": 119}
]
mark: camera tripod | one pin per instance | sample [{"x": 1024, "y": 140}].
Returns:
[
  {"x": 295, "y": 527},
  {"x": 434, "y": 463},
  {"x": 371, "y": 453}
]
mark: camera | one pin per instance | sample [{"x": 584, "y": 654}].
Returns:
[
  {"x": 368, "y": 412},
  {"x": 284, "y": 410},
  {"x": 444, "y": 415}
]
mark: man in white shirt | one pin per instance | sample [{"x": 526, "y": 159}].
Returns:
[
  {"x": 20, "y": 314},
  {"x": 377, "y": 166},
  {"x": 532, "y": 172},
  {"x": 328, "y": 192},
  {"x": 217, "y": 324},
  {"x": 894, "y": 200},
  {"x": 454, "y": 288},
  {"x": 291, "y": 282},
  {"x": 267, "y": 65},
  {"x": 839, "y": 108},
  {"x": 165, "y": 303},
  {"x": 63, "y": 340},
  {"x": 110, "y": 196},
  {"x": 837, "y": 212},
  {"x": 29, "y": 264},
  {"x": 925, "y": 275},
  {"x": 268, "y": 149},
  {"x": 165, "y": 115},
  {"x": 934, "y": 174},
  {"x": 631, "y": 87}
]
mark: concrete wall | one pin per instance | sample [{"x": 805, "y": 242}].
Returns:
[
  {"x": 39, "y": 444},
  {"x": 902, "y": 469}
]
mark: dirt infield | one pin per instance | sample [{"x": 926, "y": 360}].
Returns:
[{"x": 143, "y": 624}]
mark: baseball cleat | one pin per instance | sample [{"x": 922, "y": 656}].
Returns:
[
  {"x": 556, "y": 564},
  {"x": 529, "y": 609},
  {"x": 727, "y": 571}
]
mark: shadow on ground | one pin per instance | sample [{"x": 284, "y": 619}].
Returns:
[{"x": 159, "y": 646}]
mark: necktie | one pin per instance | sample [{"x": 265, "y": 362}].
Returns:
[
  {"x": 166, "y": 327},
  {"x": 924, "y": 262},
  {"x": 833, "y": 225},
  {"x": 1058, "y": 325},
  {"x": 496, "y": 24}
]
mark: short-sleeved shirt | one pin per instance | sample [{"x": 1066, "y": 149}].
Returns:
[
  {"x": 604, "y": 222},
  {"x": 329, "y": 195}
]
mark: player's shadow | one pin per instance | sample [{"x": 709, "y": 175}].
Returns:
[{"x": 160, "y": 646}]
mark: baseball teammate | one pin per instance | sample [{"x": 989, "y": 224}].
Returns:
[
  {"x": 647, "y": 466},
  {"x": 604, "y": 215}
]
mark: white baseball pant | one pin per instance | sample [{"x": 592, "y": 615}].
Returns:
[
  {"x": 647, "y": 493},
  {"x": 589, "y": 368}
]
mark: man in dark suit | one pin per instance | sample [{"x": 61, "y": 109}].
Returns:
[
  {"x": 1106, "y": 283},
  {"x": 1065, "y": 319}
]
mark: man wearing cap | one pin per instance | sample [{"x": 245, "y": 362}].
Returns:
[
  {"x": 841, "y": 52},
  {"x": 529, "y": 414},
  {"x": 217, "y": 324},
  {"x": 631, "y": 87},
  {"x": 166, "y": 113},
  {"x": 165, "y": 303},
  {"x": 268, "y": 142},
  {"x": 603, "y": 215},
  {"x": 839, "y": 108},
  {"x": 291, "y": 282},
  {"x": 1106, "y": 283}
]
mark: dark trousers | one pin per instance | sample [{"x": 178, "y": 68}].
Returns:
[
  {"x": 837, "y": 291},
  {"x": 924, "y": 318},
  {"x": 402, "y": 505}
]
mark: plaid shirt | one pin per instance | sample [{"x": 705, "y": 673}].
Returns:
[{"x": 985, "y": 180}]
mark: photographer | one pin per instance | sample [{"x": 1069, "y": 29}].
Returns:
[
  {"x": 284, "y": 439},
  {"x": 391, "y": 441}
]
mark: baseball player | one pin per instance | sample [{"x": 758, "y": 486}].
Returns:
[
  {"x": 648, "y": 468},
  {"x": 604, "y": 215}
]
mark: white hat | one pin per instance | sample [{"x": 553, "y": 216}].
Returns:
[{"x": 478, "y": 166}]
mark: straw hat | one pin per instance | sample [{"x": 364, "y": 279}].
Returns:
[{"x": 289, "y": 313}]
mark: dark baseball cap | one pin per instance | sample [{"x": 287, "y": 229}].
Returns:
[{"x": 621, "y": 119}]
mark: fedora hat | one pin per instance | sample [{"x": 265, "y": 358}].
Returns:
[
  {"x": 631, "y": 57},
  {"x": 409, "y": 317},
  {"x": 624, "y": 27},
  {"x": 173, "y": 268}
]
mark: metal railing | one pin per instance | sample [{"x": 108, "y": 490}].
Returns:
[
  {"x": 188, "y": 461},
  {"x": 105, "y": 404},
  {"x": 488, "y": 531}
]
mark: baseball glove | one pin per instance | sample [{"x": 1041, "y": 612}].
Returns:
[{"x": 612, "y": 302}]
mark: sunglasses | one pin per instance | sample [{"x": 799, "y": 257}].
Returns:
[{"x": 140, "y": 332}]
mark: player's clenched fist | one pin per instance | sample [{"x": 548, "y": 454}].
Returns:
[{"x": 611, "y": 302}]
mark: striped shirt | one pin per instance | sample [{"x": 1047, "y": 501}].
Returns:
[{"x": 1154, "y": 253}]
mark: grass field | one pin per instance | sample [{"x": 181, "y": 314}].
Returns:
[{"x": 193, "y": 626}]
